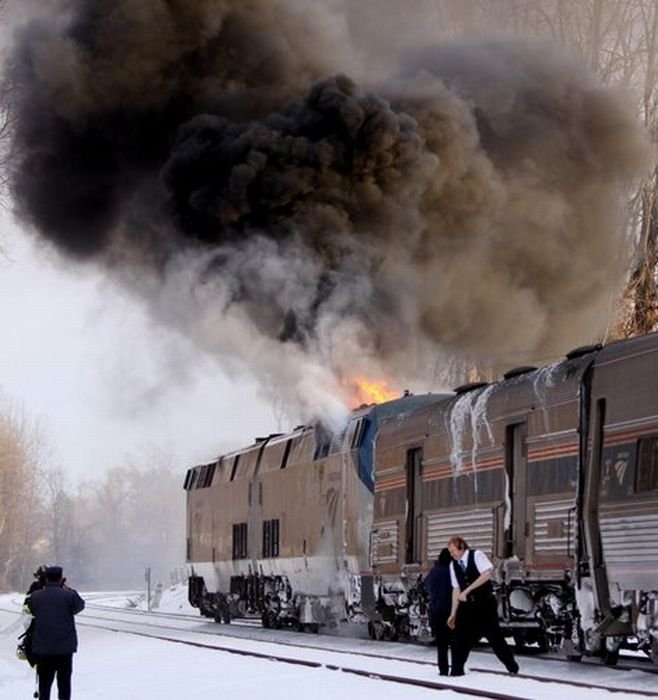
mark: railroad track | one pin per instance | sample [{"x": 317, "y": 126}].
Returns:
[
  {"x": 625, "y": 664},
  {"x": 316, "y": 652},
  {"x": 416, "y": 665},
  {"x": 351, "y": 668}
]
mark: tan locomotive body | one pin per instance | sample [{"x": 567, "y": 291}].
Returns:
[{"x": 280, "y": 529}]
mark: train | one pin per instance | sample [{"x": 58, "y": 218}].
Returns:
[{"x": 551, "y": 471}]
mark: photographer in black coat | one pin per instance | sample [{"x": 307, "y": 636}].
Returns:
[
  {"x": 39, "y": 581},
  {"x": 54, "y": 638}
]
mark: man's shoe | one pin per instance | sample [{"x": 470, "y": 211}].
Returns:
[{"x": 513, "y": 668}]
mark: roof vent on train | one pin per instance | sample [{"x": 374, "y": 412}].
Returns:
[
  {"x": 471, "y": 386},
  {"x": 583, "y": 350},
  {"x": 258, "y": 440},
  {"x": 518, "y": 371}
]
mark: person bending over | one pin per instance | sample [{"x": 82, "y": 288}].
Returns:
[{"x": 474, "y": 612}]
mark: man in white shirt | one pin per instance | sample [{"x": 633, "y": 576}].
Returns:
[{"x": 474, "y": 612}]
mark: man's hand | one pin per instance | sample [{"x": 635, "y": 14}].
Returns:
[{"x": 451, "y": 622}]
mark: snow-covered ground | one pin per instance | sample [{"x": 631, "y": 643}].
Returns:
[
  {"x": 123, "y": 666},
  {"x": 117, "y": 667}
]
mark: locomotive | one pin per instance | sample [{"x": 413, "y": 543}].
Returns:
[
  {"x": 552, "y": 472},
  {"x": 281, "y": 529}
]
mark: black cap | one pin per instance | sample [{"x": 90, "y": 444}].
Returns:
[{"x": 54, "y": 573}]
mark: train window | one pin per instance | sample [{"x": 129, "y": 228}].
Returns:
[
  {"x": 275, "y": 538},
  {"x": 210, "y": 475},
  {"x": 359, "y": 431},
  {"x": 646, "y": 473},
  {"x": 270, "y": 538},
  {"x": 286, "y": 454},
  {"x": 234, "y": 469},
  {"x": 239, "y": 540},
  {"x": 199, "y": 477},
  {"x": 322, "y": 442}
]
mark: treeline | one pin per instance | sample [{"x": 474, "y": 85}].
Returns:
[{"x": 104, "y": 532}]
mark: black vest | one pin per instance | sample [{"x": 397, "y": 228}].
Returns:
[{"x": 466, "y": 577}]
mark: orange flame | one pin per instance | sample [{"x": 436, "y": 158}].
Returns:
[{"x": 366, "y": 391}]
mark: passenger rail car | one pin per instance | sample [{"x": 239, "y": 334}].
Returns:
[
  {"x": 280, "y": 529},
  {"x": 552, "y": 472}
]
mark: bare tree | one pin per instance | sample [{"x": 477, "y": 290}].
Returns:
[
  {"x": 21, "y": 449},
  {"x": 132, "y": 518}
]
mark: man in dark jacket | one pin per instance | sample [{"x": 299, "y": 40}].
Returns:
[
  {"x": 55, "y": 639},
  {"x": 439, "y": 587}
]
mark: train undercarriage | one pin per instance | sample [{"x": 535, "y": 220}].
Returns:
[
  {"x": 268, "y": 598},
  {"x": 543, "y": 614},
  {"x": 536, "y": 614}
]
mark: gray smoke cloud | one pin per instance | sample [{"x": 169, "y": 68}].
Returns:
[{"x": 215, "y": 155}]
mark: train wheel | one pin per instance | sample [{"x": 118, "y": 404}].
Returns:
[
  {"x": 376, "y": 630},
  {"x": 273, "y": 621},
  {"x": 573, "y": 642},
  {"x": 610, "y": 651},
  {"x": 544, "y": 643}
]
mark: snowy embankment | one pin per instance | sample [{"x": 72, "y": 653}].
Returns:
[{"x": 171, "y": 600}]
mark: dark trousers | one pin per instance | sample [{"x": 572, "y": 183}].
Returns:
[
  {"x": 47, "y": 667},
  {"x": 443, "y": 635},
  {"x": 475, "y": 620}
]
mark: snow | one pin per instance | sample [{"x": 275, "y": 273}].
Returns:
[
  {"x": 110, "y": 666},
  {"x": 125, "y": 666}
]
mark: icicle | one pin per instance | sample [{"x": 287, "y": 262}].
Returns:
[{"x": 545, "y": 378}]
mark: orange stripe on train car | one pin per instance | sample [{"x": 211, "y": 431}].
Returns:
[
  {"x": 542, "y": 453},
  {"x": 438, "y": 473}
]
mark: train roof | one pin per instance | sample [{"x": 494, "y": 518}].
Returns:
[{"x": 628, "y": 347}]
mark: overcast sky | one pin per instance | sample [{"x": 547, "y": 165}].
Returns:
[{"x": 80, "y": 356}]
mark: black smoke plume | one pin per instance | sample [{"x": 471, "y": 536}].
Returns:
[{"x": 215, "y": 154}]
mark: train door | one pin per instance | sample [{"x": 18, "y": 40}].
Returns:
[
  {"x": 516, "y": 521},
  {"x": 591, "y": 513},
  {"x": 414, "y": 506}
]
